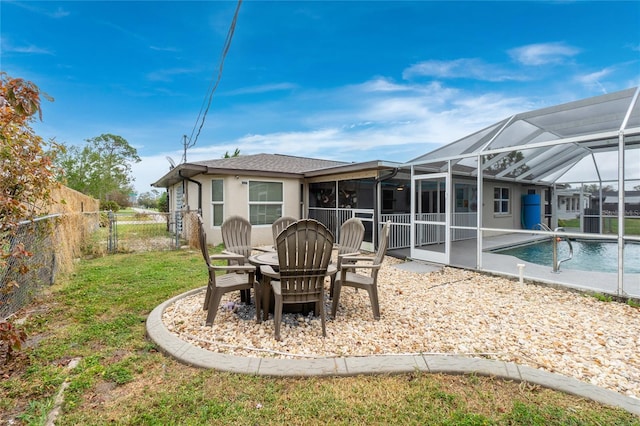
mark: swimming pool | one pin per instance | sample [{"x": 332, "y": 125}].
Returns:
[{"x": 588, "y": 255}]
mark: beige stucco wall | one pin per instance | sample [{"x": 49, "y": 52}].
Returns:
[
  {"x": 511, "y": 220},
  {"x": 236, "y": 202}
]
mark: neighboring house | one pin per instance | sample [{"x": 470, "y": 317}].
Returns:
[
  {"x": 571, "y": 202},
  {"x": 264, "y": 187}
]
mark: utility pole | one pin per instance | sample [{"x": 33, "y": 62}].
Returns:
[{"x": 186, "y": 146}]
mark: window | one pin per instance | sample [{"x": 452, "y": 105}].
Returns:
[
  {"x": 217, "y": 201},
  {"x": 265, "y": 202},
  {"x": 501, "y": 200}
]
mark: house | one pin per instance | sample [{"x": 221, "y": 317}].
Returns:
[
  {"x": 264, "y": 187},
  {"x": 506, "y": 178},
  {"x": 571, "y": 202}
]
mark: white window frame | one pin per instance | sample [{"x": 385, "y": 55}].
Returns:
[
  {"x": 265, "y": 202},
  {"x": 215, "y": 203},
  {"x": 501, "y": 200}
]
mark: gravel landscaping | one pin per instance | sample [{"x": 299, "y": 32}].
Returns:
[{"x": 449, "y": 311}]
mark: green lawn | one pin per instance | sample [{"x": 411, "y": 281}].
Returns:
[
  {"x": 98, "y": 316},
  {"x": 610, "y": 225}
]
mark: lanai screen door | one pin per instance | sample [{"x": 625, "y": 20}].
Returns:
[{"x": 430, "y": 240}]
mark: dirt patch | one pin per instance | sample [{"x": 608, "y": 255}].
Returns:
[{"x": 101, "y": 394}]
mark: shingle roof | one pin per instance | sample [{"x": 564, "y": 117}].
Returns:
[
  {"x": 270, "y": 163},
  {"x": 273, "y": 165}
]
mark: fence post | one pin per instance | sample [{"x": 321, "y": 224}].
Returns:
[
  {"x": 178, "y": 230},
  {"x": 113, "y": 233}
]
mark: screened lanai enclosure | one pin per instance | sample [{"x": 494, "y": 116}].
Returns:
[
  {"x": 548, "y": 195},
  {"x": 373, "y": 200}
]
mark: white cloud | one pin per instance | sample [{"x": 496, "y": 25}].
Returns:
[
  {"x": 56, "y": 14},
  {"x": 31, "y": 49},
  {"x": 399, "y": 126},
  {"x": 382, "y": 84},
  {"x": 263, "y": 89},
  {"x": 168, "y": 74},
  {"x": 470, "y": 68},
  {"x": 596, "y": 78},
  {"x": 543, "y": 53},
  {"x": 164, "y": 49},
  {"x": 607, "y": 162},
  {"x": 7, "y": 47},
  {"x": 377, "y": 120}
]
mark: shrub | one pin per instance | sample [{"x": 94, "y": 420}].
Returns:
[{"x": 109, "y": 205}]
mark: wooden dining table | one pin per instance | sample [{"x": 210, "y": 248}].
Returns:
[{"x": 271, "y": 259}]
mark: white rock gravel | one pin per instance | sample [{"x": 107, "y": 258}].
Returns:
[{"x": 451, "y": 311}]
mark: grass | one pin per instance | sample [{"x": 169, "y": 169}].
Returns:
[
  {"x": 603, "y": 297},
  {"x": 98, "y": 314},
  {"x": 610, "y": 224}
]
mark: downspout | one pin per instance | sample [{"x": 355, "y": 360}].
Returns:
[
  {"x": 199, "y": 189},
  {"x": 376, "y": 207}
]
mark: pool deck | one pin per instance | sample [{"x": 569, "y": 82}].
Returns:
[{"x": 463, "y": 254}]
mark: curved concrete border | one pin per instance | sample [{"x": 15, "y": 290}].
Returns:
[{"x": 192, "y": 355}]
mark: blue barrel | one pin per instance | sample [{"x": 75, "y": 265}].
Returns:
[{"x": 530, "y": 211}]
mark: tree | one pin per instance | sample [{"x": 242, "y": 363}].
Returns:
[
  {"x": 594, "y": 188},
  {"x": 27, "y": 173},
  {"x": 236, "y": 153},
  {"x": 506, "y": 161},
  {"x": 26, "y": 179},
  {"x": 163, "y": 202},
  {"x": 149, "y": 199},
  {"x": 102, "y": 168}
]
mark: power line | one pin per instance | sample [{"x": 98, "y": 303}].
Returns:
[{"x": 214, "y": 85}]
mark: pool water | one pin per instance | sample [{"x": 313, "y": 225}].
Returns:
[{"x": 587, "y": 255}]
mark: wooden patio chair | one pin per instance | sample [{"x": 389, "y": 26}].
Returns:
[
  {"x": 236, "y": 237},
  {"x": 369, "y": 282},
  {"x": 304, "y": 252},
  {"x": 349, "y": 242},
  {"x": 242, "y": 279},
  {"x": 279, "y": 225}
]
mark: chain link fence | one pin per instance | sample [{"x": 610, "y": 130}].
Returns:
[
  {"x": 143, "y": 230},
  {"x": 47, "y": 245},
  {"x": 51, "y": 243},
  {"x": 22, "y": 275}
]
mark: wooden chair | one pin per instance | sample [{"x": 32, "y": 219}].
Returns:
[
  {"x": 236, "y": 236},
  {"x": 349, "y": 242},
  {"x": 279, "y": 225},
  {"x": 242, "y": 279},
  {"x": 304, "y": 252},
  {"x": 369, "y": 282}
]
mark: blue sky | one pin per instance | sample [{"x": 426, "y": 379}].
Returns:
[{"x": 353, "y": 80}]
